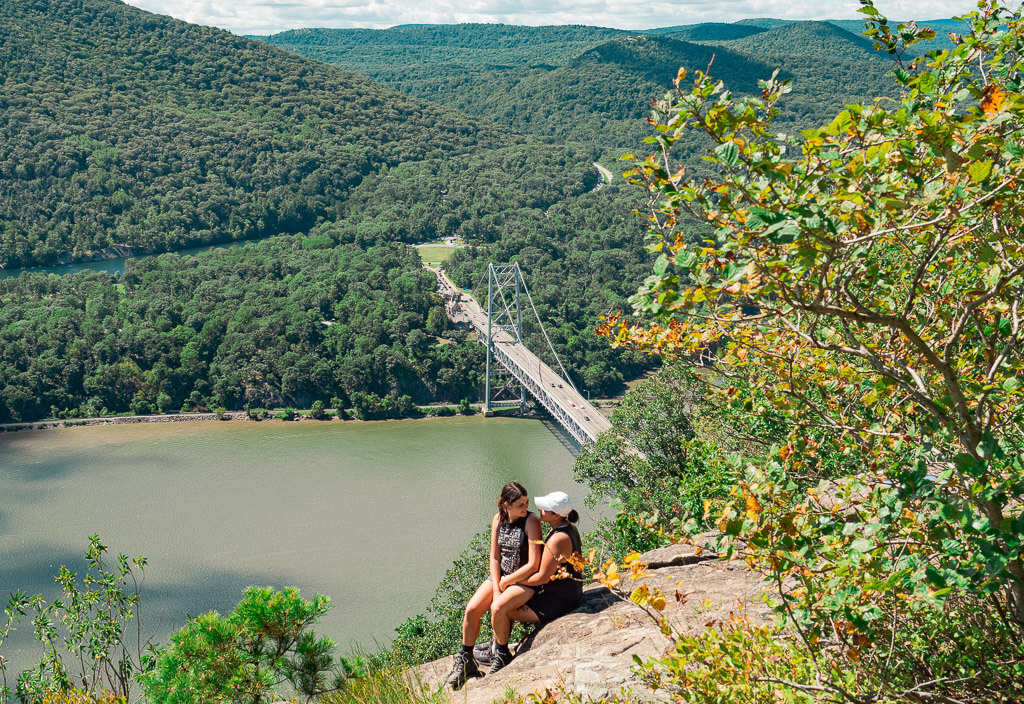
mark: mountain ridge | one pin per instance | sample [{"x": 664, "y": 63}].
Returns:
[{"x": 124, "y": 128}]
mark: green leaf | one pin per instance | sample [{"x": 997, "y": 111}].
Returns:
[
  {"x": 782, "y": 232},
  {"x": 968, "y": 465},
  {"x": 685, "y": 259},
  {"x": 861, "y": 545},
  {"x": 989, "y": 447},
  {"x": 979, "y": 170},
  {"x": 728, "y": 153}
]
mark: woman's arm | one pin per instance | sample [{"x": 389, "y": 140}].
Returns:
[
  {"x": 532, "y": 556},
  {"x": 495, "y": 561},
  {"x": 555, "y": 551}
]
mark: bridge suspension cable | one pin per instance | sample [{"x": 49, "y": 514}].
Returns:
[
  {"x": 565, "y": 374},
  {"x": 502, "y": 335}
]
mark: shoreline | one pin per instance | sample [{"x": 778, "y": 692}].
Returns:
[
  {"x": 52, "y": 424},
  {"x": 301, "y": 416}
]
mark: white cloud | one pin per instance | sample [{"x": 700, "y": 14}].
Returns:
[{"x": 268, "y": 16}]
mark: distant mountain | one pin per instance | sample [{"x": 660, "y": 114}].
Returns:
[
  {"x": 820, "y": 39},
  {"x": 411, "y": 52},
  {"x": 710, "y": 32},
  {"x": 526, "y": 77},
  {"x": 604, "y": 94},
  {"x": 941, "y": 26},
  {"x": 123, "y": 128},
  {"x": 764, "y": 22}
]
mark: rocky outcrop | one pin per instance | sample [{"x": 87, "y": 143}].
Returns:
[{"x": 591, "y": 650}]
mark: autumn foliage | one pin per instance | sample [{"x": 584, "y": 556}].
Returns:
[{"x": 863, "y": 282}]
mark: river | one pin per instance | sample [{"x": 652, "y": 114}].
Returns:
[
  {"x": 112, "y": 266},
  {"x": 368, "y": 513}
]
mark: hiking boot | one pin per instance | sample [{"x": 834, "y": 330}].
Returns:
[
  {"x": 498, "y": 660},
  {"x": 463, "y": 668},
  {"x": 483, "y": 652}
]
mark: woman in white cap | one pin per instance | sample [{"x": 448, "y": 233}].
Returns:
[{"x": 553, "y": 590}]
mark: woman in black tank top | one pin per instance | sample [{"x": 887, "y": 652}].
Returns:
[
  {"x": 557, "y": 586},
  {"x": 515, "y": 555}
]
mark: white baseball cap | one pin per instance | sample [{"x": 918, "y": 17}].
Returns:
[{"x": 556, "y": 502}]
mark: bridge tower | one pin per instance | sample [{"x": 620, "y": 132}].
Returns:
[{"x": 504, "y": 312}]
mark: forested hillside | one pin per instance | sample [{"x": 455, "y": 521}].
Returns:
[
  {"x": 830, "y": 66},
  {"x": 602, "y": 96},
  {"x": 708, "y": 31},
  {"x": 469, "y": 48},
  {"x": 465, "y": 66},
  {"x": 286, "y": 321},
  {"x": 292, "y": 319},
  {"x": 124, "y": 128},
  {"x": 595, "y": 85},
  {"x": 119, "y": 127}
]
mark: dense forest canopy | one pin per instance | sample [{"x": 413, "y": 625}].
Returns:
[
  {"x": 120, "y": 127},
  {"x": 123, "y": 129},
  {"x": 596, "y": 85},
  {"x": 282, "y": 322}
]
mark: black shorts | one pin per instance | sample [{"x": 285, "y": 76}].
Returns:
[{"x": 551, "y": 602}]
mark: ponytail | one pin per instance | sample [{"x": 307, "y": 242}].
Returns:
[{"x": 573, "y": 517}]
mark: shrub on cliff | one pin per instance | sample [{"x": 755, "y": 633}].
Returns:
[
  {"x": 266, "y": 642},
  {"x": 86, "y": 633}
]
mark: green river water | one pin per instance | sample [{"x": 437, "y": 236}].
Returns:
[{"x": 370, "y": 514}]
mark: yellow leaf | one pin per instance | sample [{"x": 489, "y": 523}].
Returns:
[
  {"x": 993, "y": 99},
  {"x": 610, "y": 577},
  {"x": 658, "y": 601},
  {"x": 753, "y": 508},
  {"x": 640, "y": 594}
]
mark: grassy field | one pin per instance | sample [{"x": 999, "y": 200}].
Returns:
[{"x": 435, "y": 254}]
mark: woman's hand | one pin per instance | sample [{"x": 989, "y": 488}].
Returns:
[{"x": 504, "y": 583}]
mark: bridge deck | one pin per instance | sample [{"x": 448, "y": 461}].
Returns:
[{"x": 565, "y": 404}]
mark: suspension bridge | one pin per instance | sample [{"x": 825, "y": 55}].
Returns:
[{"x": 500, "y": 329}]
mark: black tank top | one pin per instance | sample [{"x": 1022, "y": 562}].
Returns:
[
  {"x": 569, "y": 588},
  {"x": 513, "y": 545}
]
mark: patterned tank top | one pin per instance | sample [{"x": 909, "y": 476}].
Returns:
[{"x": 513, "y": 545}]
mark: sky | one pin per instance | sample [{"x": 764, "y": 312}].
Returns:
[{"x": 270, "y": 16}]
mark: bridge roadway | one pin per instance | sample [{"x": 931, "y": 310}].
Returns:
[{"x": 565, "y": 404}]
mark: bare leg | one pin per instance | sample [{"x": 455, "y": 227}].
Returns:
[
  {"x": 475, "y": 610},
  {"x": 511, "y": 601}
]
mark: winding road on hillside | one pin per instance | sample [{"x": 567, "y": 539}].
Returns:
[{"x": 605, "y": 173}]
